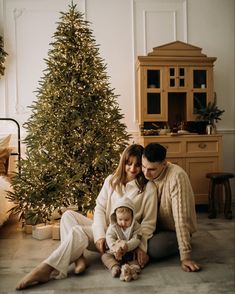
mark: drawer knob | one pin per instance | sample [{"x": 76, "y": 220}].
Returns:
[{"x": 202, "y": 145}]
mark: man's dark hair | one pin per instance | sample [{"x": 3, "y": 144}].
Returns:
[{"x": 155, "y": 152}]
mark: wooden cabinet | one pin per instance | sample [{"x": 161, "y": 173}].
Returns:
[
  {"x": 173, "y": 81},
  {"x": 196, "y": 154}
]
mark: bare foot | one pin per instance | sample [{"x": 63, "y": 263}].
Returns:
[
  {"x": 40, "y": 274},
  {"x": 80, "y": 265}
]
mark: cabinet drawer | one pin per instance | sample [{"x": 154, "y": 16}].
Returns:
[
  {"x": 174, "y": 148},
  {"x": 202, "y": 147}
]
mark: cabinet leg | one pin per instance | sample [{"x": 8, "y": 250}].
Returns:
[
  {"x": 212, "y": 210},
  {"x": 227, "y": 205}
]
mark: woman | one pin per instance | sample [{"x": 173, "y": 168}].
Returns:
[{"x": 79, "y": 233}]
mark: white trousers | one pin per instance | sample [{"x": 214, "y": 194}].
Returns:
[{"x": 76, "y": 236}]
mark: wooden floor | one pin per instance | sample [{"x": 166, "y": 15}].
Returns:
[{"x": 213, "y": 247}]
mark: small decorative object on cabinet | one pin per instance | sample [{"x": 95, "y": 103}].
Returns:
[
  {"x": 173, "y": 82},
  {"x": 211, "y": 114}
]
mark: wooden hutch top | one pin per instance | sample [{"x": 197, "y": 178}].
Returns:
[{"x": 174, "y": 52}]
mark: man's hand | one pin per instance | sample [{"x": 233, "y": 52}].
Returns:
[
  {"x": 142, "y": 257},
  {"x": 100, "y": 245},
  {"x": 190, "y": 266}
]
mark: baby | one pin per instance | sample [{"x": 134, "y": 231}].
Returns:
[{"x": 123, "y": 236}]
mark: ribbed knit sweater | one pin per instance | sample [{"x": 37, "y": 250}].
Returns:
[{"x": 176, "y": 206}]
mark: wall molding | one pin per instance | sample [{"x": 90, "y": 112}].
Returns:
[
  {"x": 134, "y": 82},
  {"x": 146, "y": 13},
  {"x": 185, "y": 15},
  {"x": 13, "y": 88},
  {"x": 173, "y": 8},
  {"x": 226, "y": 131}
]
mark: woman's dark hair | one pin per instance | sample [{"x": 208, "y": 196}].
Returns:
[
  {"x": 119, "y": 176},
  {"x": 155, "y": 152}
]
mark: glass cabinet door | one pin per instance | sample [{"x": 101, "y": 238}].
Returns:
[
  {"x": 201, "y": 90},
  {"x": 153, "y": 93},
  {"x": 199, "y": 78},
  {"x": 154, "y": 105},
  {"x": 153, "y": 78},
  {"x": 176, "y": 77},
  {"x": 199, "y": 101}
]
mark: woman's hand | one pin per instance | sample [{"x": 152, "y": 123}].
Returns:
[
  {"x": 100, "y": 245},
  {"x": 142, "y": 257}
]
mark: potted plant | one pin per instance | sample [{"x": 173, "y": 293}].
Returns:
[{"x": 209, "y": 113}]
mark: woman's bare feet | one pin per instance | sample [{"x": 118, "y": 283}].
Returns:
[
  {"x": 80, "y": 265},
  {"x": 40, "y": 274}
]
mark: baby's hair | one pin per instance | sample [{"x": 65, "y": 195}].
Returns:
[{"x": 123, "y": 209}]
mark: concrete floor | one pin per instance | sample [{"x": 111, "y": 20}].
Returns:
[{"x": 213, "y": 245}]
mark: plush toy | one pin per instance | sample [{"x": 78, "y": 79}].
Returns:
[{"x": 129, "y": 272}]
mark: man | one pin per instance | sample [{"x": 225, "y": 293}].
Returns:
[{"x": 176, "y": 216}]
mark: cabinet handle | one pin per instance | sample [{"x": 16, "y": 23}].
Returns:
[{"x": 202, "y": 145}]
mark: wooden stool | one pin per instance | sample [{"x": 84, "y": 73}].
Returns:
[{"x": 217, "y": 179}]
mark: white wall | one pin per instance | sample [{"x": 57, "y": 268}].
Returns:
[
  {"x": 211, "y": 27},
  {"x": 112, "y": 26},
  {"x": 124, "y": 29}
]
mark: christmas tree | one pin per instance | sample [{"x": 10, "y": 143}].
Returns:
[
  {"x": 74, "y": 134},
  {"x": 3, "y": 55}
]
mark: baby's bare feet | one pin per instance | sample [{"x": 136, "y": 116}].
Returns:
[{"x": 40, "y": 274}]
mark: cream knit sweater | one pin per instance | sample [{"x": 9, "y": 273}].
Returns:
[
  {"x": 176, "y": 206},
  {"x": 145, "y": 206}
]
